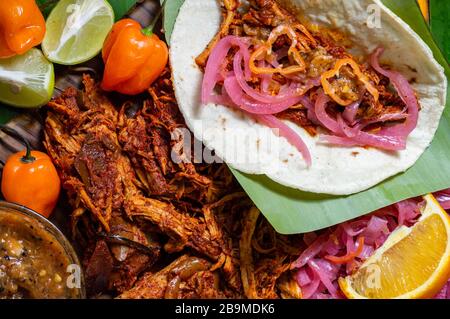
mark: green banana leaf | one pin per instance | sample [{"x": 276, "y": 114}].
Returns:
[
  {"x": 46, "y": 6},
  {"x": 440, "y": 24},
  {"x": 170, "y": 15},
  {"x": 291, "y": 211}
]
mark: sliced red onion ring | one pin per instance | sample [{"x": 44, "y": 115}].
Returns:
[
  {"x": 350, "y": 111},
  {"x": 389, "y": 138},
  {"x": 407, "y": 211},
  {"x": 376, "y": 228},
  {"x": 347, "y": 130},
  {"x": 286, "y": 132},
  {"x": 349, "y": 243},
  {"x": 309, "y": 289},
  {"x": 246, "y": 103},
  {"x": 330, "y": 269},
  {"x": 322, "y": 115},
  {"x": 311, "y": 114},
  {"x": 222, "y": 98},
  {"x": 331, "y": 248},
  {"x": 324, "y": 278},
  {"x": 215, "y": 60},
  {"x": 303, "y": 278},
  {"x": 346, "y": 136},
  {"x": 405, "y": 91},
  {"x": 354, "y": 228},
  {"x": 310, "y": 252},
  {"x": 366, "y": 252},
  {"x": 291, "y": 95},
  {"x": 443, "y": 198}
]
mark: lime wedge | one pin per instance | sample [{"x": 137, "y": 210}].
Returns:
[
  {"x": 76, "y": 30},
  {"x": 26, "y": 80}
]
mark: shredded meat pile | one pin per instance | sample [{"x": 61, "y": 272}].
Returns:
[{"x": 150, "y": 226}]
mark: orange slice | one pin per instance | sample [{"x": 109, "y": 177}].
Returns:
[{"x": 413, "y": 263}]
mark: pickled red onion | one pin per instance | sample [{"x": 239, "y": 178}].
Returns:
[
  {"x": 374, "y": 228},
  {"x": 350, "y": 111},
  {"x": 311, "y": 285},
  {"x": 246, "y": 103},
  {"x": 347, "y": 130},
  {"x": 322, "y": 115},
  {"x": 406, "y": 93},
  {"x": 215, "y": 60},
  {"x": 286, "y": 132},
  {"x": 347, "y": 136},
  {"x": 443, "y": 197},
  {"x": 324, "y": 278},
  {"x": 289, "y": 98},
  {"x": 237, "y": 92}
]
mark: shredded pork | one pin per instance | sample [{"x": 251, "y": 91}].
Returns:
[{"x": 191, "y": 220}]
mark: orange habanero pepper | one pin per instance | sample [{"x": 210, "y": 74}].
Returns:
[
  {"x": 133, "y": 57},
  {"x": 22, "y": 27},
  {"x": 29, "y": 178}
]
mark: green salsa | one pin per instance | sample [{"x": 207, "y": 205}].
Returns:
[{"x": 33, "y": 264}]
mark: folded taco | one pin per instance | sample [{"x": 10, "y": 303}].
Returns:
[{"x": 326, "y": 96}]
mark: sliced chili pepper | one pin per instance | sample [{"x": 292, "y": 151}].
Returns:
[
  {"x": 330, "y": 91},
  {"x": 296, "y": 41},
  {"x": 350, "y": 256}
]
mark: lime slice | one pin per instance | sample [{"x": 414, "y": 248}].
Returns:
[
  {"x": 76, "y": 30},
  {"x": 26, "y": 80}
]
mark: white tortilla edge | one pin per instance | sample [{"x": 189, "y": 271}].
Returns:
[{"x": 244, "y": 144}]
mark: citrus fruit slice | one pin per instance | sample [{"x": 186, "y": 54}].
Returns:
[
  {"x": 26, "y": 80},
  {"x": 413, "y": 263},
  {"x": 76, "y": 30}
]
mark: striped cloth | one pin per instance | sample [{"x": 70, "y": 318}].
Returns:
[{"x": 29, "y": 124}]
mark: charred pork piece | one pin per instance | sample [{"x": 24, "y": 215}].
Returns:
[{"x": 186, "y": 277}]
